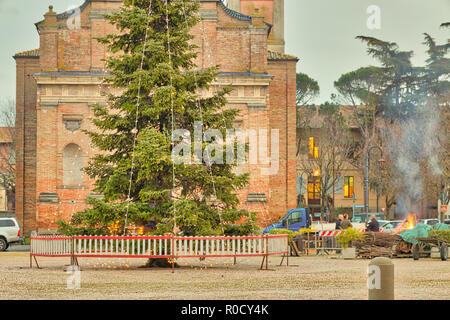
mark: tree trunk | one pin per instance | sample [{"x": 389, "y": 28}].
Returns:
[{"x": 159, "y": 263}]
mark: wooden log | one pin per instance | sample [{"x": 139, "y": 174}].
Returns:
[{"x": 375, "y": 244}]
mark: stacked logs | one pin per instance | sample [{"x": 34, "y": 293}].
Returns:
[
  {"x": 402, "y": 248},
  {"x": 375, "y": 244}
]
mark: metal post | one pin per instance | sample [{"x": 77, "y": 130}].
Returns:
[
  {"x": 173, "y": 255},
  {"x": 72, "y": 248},
  {"x": 286, "y": 255},
  {"x": 366, "y": 179},
  {"x": 267, "y": 253},
  {"x": 366, "y": 183},
  {"x": 334, "y": 182},
  {"x": 287, "y": 251},
  {"x": 31, "y": 253}
]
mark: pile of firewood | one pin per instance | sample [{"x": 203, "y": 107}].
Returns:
[
  {"x": 402, "y": 248},
  {"x": 375, "y": 244}
]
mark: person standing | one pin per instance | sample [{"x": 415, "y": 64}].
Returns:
[
  {"x": 345, "y": 224},
  {"x": 339, "y": 221},
  {"x": 373, "y": 225}
]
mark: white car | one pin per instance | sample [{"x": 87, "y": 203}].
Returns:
[
  {"x": 390, "y": 226},
  {"x": 430, "y": 222},
  {"x": 9, "y": 232}
]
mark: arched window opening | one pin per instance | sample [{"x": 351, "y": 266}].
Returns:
[{"x": 72, "y": 165}]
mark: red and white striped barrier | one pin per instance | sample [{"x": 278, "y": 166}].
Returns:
[
  {"x": 330, "y": 233},
  {"x": 170, "y": 247},
  {"x": 327, "y": 241},
  {"x": 334, "y": 233}
]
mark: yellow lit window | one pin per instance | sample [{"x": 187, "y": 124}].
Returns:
[
  {"x": 313, "y": 148},
  {"x": 348, "y": 187},
  {"x": 314, "y": 188}
]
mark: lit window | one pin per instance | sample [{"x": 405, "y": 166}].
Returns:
[
  {"x": 314, "y": 188},
  {"x": 313, "y": 148},
  {"x": 348, "y": 187}
]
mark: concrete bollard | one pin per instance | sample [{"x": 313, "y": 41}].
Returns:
[
  {"x": 380, "y": 280},
  {"x": 435, "y": 253}
]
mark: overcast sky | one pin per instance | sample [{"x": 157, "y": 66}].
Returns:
[{"x": 320, "y": 32}]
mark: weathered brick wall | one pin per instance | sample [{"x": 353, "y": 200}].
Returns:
[
  {"x": 283, "y": 117},
  {"x": 53, "y": 136},
  {"x": 239, "y": 46},
  {"x": 26, "y": 142},
  {"x": 236, "y": 45}
]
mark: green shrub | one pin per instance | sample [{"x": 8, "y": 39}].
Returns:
[
  {"x": 291, "y": 234},
  {"x": 348, "y": 236},
  {"x": 284, "y": 231},
  {"x": 443, "y": 235},
  {"x": 71, "y": 230}
]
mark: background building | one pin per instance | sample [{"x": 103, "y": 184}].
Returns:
[
  {"x": 58, "y": 84},
  {"x": 315, "y": 162},
  {"x": 7, "y": 171}
]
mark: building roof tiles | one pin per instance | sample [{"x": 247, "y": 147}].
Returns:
[
  {"x": 278, "y": 56},
  {"x": 28, "y": 53}
]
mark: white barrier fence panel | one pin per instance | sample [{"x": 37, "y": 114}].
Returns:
[
  {"x": 277, "y": 245},
  {"x": 139, "y": 246},
  {"x": 158, "y": 247},
  {"x": 51, "y": 246}
]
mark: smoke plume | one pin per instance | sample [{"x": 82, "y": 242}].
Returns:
[{"x": 415, "y": 148}]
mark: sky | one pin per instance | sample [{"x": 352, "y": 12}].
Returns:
[{"x": 320, "y": 32}]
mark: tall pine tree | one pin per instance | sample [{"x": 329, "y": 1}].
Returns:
[{"x": 153, "y": 86}]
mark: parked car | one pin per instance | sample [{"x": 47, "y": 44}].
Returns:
[
  {"x": 365, "y": 217},
  {"x": 319, "y": 221},
  {"x": 380, "y": 223},
  {"x": 294, "y": 220},
  {"x": 390, "y": 226},
  {"x": 430, "y": 222},
  {"x": 9, "y": 232}
]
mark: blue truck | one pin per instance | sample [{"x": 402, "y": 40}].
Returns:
[{"x": 295, "y": 220}]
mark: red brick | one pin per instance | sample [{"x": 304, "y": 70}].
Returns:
[{"x": 235, "y": 45}]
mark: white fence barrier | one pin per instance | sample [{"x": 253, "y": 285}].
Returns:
[{"x": 157, "y": 247}]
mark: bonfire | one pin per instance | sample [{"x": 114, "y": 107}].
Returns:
[{"x": 409, "y": 223}]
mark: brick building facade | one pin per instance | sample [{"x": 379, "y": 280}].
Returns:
[{"x": 58, "y": 84}]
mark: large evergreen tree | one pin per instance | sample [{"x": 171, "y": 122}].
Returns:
[
  {"x": 399, "y": 108},
  {"x": 153, "y": 68},
  {"x": 307, "y": 89}
]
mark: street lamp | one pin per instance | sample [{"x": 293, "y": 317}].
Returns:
[{"x": 366, "y": 176}]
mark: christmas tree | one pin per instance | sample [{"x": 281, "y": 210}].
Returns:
[{"x": 152, "y": 66}]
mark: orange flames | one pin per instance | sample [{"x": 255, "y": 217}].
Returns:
[{"x": 408, "y": 224}]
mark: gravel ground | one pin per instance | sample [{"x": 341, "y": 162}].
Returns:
[
  {"x": 18, "y": 248},
  {"x": 321, "y": 278}
]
